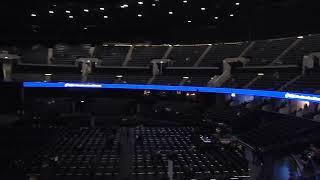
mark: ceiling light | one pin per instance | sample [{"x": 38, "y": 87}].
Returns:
[
  {"x": 82, "y": 101},
  {"x": 233, "y": 94},
  {"x": 153, "y": 4},
  {"x": 124, "y": 6},
  {"x": 300, "y": 37},
  {"x": 186, "y": 77},
  {"x": 105, "y": 17},
  {"x": 170, "y": 12},
  {"x": 185, "y": 1},
  {"x": 216, "y": 17},
  {"x": 86, "y": 10},
  {"x": 71, "y": 17},
  {"x": 54, "y": 5},
  {"x": 231, "y": 15},
  {"x": 33, "y": 15},
  {"x": 68, "y": 12},
  {"x": 6, "y": 57},
  {"x": 119, "y": 76},
  {"x": 51, "y": 12},
  {"x": 102, "y": 9},
  {"x": 139, "y": 15},
  {"x": 203, "y": 9},
  {"x": 85, "y": 28},
  {"x": 48, "y": 74},
  {"x": 237, "y": 4},
  {"x": 189, "y": 21},
  {"x": 260, "y": 74},
  {"x": 140, "y": 2}
]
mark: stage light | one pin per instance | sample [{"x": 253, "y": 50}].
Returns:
[
  {"x": 6, "y": 57},
  {"x": 170, "y": 12},
  {"x": 300, "y": 37},
  {"x": 203, "y": 9},
  {"x": 237, "y": 4},
  {"x": 140, "y": 2},
  {"x": 48, "y": 74},
  {"x": 71, "y": 17},
  {"x": 105, "y": 17},
  {"x": 216, "y": 17},
  {"x": 260, "y": 74},
  {"x": 231, "y": 15},
  {"x": 233, "y": 95},
  {"x": 51, "y": 12},
  {"x": 189, "y": 21},
  {"x": 68, "y": 12},
  {"x": 139, "y": 15},
  {"x": 119, "y": 76},
  {"x": 86, "y": 10},
  {"x": 102, "y": 9},
  {"x": 153, "y": 4},
  {"x": 33, "y": 15},
  {"x": 85, "y": 28},
  {"x": 185, "y": 1},
  {"x": 185, "y": 77}
]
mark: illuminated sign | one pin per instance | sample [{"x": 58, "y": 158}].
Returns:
[{"x": 247, "y": 92}]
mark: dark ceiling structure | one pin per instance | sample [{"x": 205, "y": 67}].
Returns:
[{"x": 189, "y": 21}]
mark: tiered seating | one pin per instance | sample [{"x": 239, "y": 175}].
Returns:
[
  {"x": 167, "y": 80},
  {"x": 81, "y": 154},
  {"x": 219, "y": 52},
  {"x": 218, "y": 162},
  {"x": 142, "y": 55},
  {"x": 279, "y": 131},
  {"x": 266, "y": 51},
  {"x": 307, "y": 83},
  {"x": 186, "y": 56},
  {"x": 19, "y": 77},
  {"x": 197, "y": 80},
  {"x": 111, "y": 55},
  {"x": 273, "y": 80},
  {"x": 101, "y": 78},
  {"x": 36, "y": 54},
  {"x": 240, "y": 79},
  {"x": 307, "y": 45},
  {"x": 66, "y": 78},
  {"x": 67, "y": 54},
  {"x": 136, "y": 79}
]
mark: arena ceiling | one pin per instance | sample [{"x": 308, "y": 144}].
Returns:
[{"x": 158, "y": 20}]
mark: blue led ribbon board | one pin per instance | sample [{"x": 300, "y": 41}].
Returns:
[{"x": 248, "y": 92}]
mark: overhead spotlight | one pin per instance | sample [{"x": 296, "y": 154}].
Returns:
[
  {"x": 186, "y": 77},
  {"x": 102, "y": 9},
  {"x": 82, "y": 101},
  {"x": 203, "y": 9},
  {"x": 68, "y": 12},
  {"x": 300, "y": 37},
  {"x": 71, "y": 17},
  {"x": 86, "y": 10},
  {"x": 185, "y": 1},
  {"x": 119, "y": 76},
  {"x": 51, "y": 12},
  {"x": 105, "y": 17},
  {"x": 140, "y": 2},
  {"x": 139, "y": 15},
  {"x": 260, "y": 74},
  {"x": 237, "y": 3},
  {"x": 33, "y": 15},
  {"x": 153, "y": 4},
  {"x": 231, "y": 15},
  {"x": 124, "y": 6},
  {"x": 85, "y": 28},
  {"x": 48, "y": 74},
  {"x": 216, "y": 17},
  {"x": 189, "y": 21},
  {"x": 6, "y": 57},
  {"x": 170, "y": 12}
]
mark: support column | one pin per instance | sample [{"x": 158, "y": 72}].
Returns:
[
  {"x": 203, "y": 55},
  {"x": 165, "y": 56},
  {"x": 50, "y": 55}
]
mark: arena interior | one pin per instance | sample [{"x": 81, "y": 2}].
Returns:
[{"x": 160, "y": 90}]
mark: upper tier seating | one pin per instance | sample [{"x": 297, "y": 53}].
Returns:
[
  {"x": 219, "y": 52},
  {"x": 67, "y": 54},
  {"x": 111, "y": 55},
  {"x": 240, "y": 79},
  {"x": 307, "y": 45},
  {"x": 197, "y": 80},
  {"x": 186, "y": 56},
  {"x": 143, "y": 55},
  {"x": 36, "y": 54},
  {"x": 167, "y": 80},
  {"x": 266, "y": 51},
  {"x": 273, "y": 80},
  {"x": 307, "y": 83}
]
